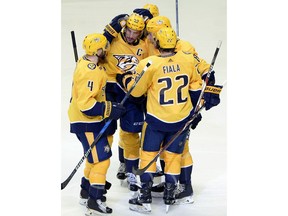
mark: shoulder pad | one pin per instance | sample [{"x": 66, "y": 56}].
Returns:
[{"x": 91, "y": 66}]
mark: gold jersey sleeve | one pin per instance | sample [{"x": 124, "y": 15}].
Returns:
[
  {"x": 168, "y": 83},
  {"x": 89, "y": 82},
  {"x": 123, "y": 57},
  {"x": 201, "y": 65}
]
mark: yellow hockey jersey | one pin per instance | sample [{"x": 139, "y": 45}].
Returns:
[
  {"x": 123, "y": 57},
  {"x": 170, "y": 83},
  {"x": 89, "y": 82}
]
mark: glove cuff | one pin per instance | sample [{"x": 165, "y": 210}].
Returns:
[
  {"x": 107, "y": 109},
  {"x": 111, "y": 30},
  {"x": 213, "y": 89}
]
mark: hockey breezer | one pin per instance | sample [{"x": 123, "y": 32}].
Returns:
[
  {"x": 64, "y": 184},
  {"x": 186, "y": 126}
]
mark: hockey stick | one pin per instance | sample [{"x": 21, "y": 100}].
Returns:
[
  {"x": 185, "y": 127},
  {"x": 208, "y": 74},
  {"x": 74, "y": 49},
  {"x": 177, "y": 21},
  {"x": 64, "y": 184},
  {"x": 74, "y": 46}
]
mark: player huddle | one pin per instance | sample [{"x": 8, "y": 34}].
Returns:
[{"x": 162, "y": 101}]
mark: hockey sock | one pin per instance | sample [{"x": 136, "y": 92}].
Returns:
[{"x": 185, "y": 175}]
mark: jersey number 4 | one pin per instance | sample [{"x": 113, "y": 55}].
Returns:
[{"x": 178, "y": 91}]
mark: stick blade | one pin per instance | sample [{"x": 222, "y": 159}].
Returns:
[
  {"x": 137, "y": 171},
  {"x": 63, "y": 185}
]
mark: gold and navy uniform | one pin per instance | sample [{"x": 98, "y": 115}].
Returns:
[
  {"x": 85, "y": 110},
  {"x": 169, "y": 82},
  {"x": 88, "y": 89},
  {"x": 122, "y": 58},
  {"x": 202, "y": 69},
  {"x": 173, "y": 86}
]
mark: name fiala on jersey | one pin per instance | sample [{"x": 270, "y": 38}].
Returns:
[{"x": 171, "y": 68}]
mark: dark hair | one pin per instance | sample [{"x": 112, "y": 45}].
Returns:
[{"x": 164, "y": 50}]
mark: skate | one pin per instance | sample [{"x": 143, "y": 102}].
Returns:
[
  {"x": 158, "y": 190},
  {"x": 184, "y": 194},
  {"x": 142, "y": 203},
  {"x": 133, "y": 185},
  {"x": 97, "y": 207},
  {"x": 84, "y": 195},
  {"x": 169, "y": 196},
  {"x": 121, "y": 175}
]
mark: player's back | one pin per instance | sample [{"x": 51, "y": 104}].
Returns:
[{"x": 168, "y": 82}]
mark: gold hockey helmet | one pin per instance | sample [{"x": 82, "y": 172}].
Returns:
[
  {"x": 166, "y": 38},
  {"x": 158, "y": 22},
  {"x": 135, "y": 22},
  {"x": 153, "y": 9},
  {"x": 93, "y": 42}
]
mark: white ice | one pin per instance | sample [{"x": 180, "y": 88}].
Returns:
[{"x": 203, "y": 23}]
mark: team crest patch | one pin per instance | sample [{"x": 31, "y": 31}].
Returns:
[
  {"x": 91, "y": 66},
  {"x": 126, "y": 62}
]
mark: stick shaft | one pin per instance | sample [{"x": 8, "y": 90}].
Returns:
[
  {"x": 209, "y": 72},
  {"x": 177, "y": 18},
  {"x": 74, "y": 45}
]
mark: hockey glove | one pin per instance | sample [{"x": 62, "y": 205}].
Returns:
[
  {"x": 144, "y": 12},
  {"x": 211, "y": 80},
  {"x": 195, "y": 122},
  {"x": 113, "y": 110},
  {"x": 211, "y": 96},
  {"x": 138, "y": 100},
  {"x": 114, "y": 27},
  {"x": 124, "y": 79}
]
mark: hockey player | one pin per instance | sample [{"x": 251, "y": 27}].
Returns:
[
  {"x": 111, "y": 31},
  {"x": 184, "y": 193},
  {"x": 127, "y": 49},
  {"x": 87, "y": 112},
  {"x": 154, "y": 10},
  {"x": 173, "y": 86}
]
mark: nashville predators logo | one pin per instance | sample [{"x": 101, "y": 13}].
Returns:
[{"x": 126, "y": 62}]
